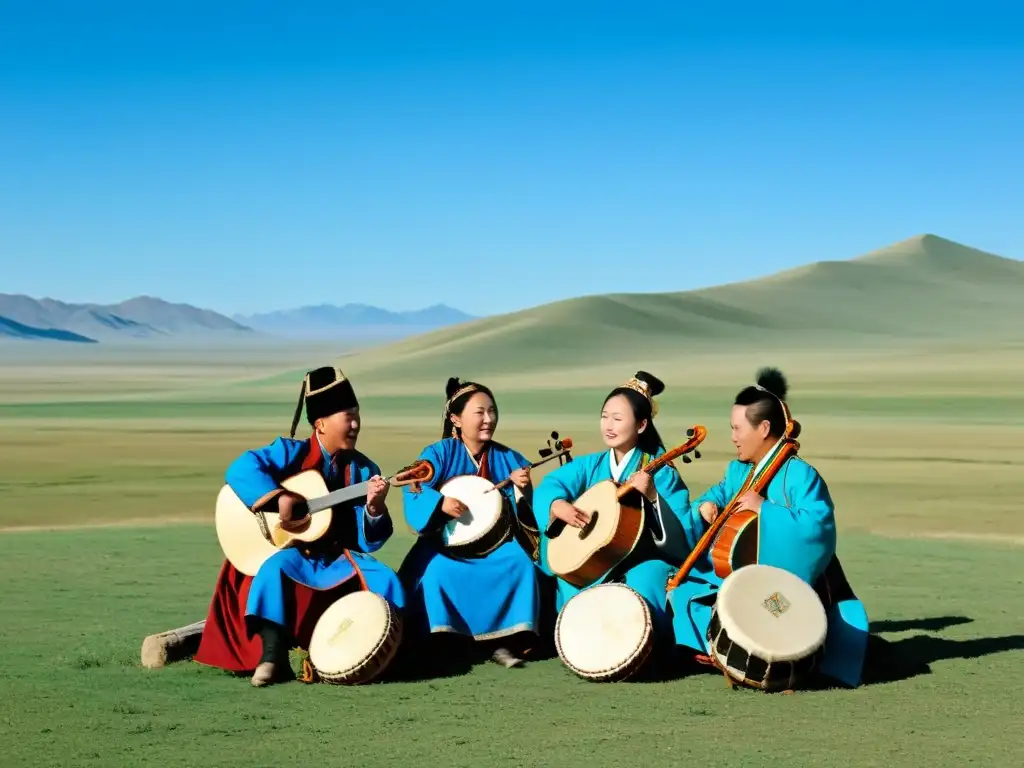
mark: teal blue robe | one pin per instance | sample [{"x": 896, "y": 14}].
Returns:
[
  {"x": 481, "y": 597},
  {"x": 797, "y": 532},
  {"x": 671, "y": 528}
]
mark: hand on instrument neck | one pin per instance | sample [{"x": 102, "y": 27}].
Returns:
[{"x": 644, "y": 483}]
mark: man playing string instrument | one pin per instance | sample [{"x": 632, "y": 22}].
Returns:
[
  {"x": 253, "y": 621},
  {"x": 796, "y": 530}
]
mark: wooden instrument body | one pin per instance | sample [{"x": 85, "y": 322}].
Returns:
[
  {"x": 241, "y": 537},
  {"x": 582, "y": 556},
  {"x": 736, "y": 543},
  {"x": 484, "y": 526}
]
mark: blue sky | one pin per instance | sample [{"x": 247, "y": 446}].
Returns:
[{"x": 263, "y": 155}]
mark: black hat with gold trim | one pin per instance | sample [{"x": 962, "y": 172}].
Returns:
[{"x": 325, "y": 391}]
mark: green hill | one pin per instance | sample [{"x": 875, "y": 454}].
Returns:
[{"x": 923, "y": 288}]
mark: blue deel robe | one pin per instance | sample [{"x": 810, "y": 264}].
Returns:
[
  {"x": 255, "y": 476},
  {"x": 796, "y": 532},
  {"x": 481, "y": 597},
  {"x": 671, "y": 530}
]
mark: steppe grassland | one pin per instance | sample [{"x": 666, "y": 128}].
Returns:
[{"x": 914, "y": 442}]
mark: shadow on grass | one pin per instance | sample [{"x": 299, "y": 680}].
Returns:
[{"x": 896, "y": 660}]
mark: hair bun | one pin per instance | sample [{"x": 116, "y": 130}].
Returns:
[
  {"x": 452, "y": 387},
  {"x": 774, "y": 381},
  {"x": 796, "y": 430},
  {"x": 654, "y": 384}
]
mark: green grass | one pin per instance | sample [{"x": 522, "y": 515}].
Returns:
[
  {"x": 77, "y": 605},
  {"x": 919, "y": 443}
]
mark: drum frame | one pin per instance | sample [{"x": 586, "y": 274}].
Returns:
[
  {"x": 636, "y": 661},
  {"x": 490, "y": 539},
  {"x": 376, "y": 662}
]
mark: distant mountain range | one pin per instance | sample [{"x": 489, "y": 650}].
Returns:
[
  {"x": 141, "y": 318},
  {"x": 327, "y": 321},
  {"x": 148, "y": 318}
]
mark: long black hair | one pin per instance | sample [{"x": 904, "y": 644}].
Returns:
[
  {"x": 458, "y": 405},
  {"x": 762, "y": 402},
  {"x": 649, "y": 441}
]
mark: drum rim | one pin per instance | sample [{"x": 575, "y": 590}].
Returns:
[
  {"x": 393, "y": 628},
  {"x": 741, "y": 638},
  {"x": 636, "y": 656},
  {"x": 454, "y": 521}
]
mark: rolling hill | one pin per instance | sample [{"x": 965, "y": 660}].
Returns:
[
  {"x": 924, "y": 288},
  {"x": 360, "y": 321},
  {"x": 141, "y": 318}
]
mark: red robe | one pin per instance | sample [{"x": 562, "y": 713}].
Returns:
[{"x": 227, "y": 642}]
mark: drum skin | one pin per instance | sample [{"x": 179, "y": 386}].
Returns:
[
  {"x": 355, "y": 639},
  {"x": 605, "y": 633},
  {"x": 767, "y": 628}
]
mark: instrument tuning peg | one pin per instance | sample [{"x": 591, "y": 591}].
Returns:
[
  {"x": 686, "y": 459},
  {"x": 544, "y": 452},
  {"x": 689, "y": 433},
  {"x": 696, "y": 454},
  {"x": 554, "y": 435}
]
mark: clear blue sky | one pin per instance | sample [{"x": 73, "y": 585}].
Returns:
[{"x": 246, "y": 156}]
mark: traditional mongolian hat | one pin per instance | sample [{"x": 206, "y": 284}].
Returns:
[{"x": 325, "y": 391}]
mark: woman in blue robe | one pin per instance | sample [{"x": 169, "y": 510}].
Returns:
[
  {"x": 672, "y": 528},
  {"x": 796, "y": 530},
  {"x": 254, "y": 621},
  {"x": 491, "y": 598}
]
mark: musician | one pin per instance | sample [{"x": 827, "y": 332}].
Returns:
[
  {"x": 796, "y": 528},
  {"x": 491, "y": 598},
  {"x": 254, "y": 621},
  {"x": 627, "y": 427}
]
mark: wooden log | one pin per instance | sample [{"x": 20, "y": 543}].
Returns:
[{"x": 173, "y": 645}]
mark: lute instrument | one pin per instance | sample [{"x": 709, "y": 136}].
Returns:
[
  {"x": 584, "y": 555},
  {"x": 732, "y": 538},
  {"x": 249, "y": 537},
  {"x": 487, "y": 522}
]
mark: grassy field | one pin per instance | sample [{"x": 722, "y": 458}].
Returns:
[{"x": 921, "y": 447}]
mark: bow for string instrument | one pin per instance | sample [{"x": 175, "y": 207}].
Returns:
[
  {"x": 248, "y": 538},
  {"x": 561, "y": 448},
  {"x": 733, "y": 537},
  {"x": 581, "y": 556}
]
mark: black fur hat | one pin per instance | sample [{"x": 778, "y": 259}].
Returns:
[{"x": 325, "y": 391}]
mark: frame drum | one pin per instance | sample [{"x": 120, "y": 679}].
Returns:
[
  {"x": 767, "y": 629},
  {"x": 605, "y": 633},
  {"x": 355, "y": 639},
  {"x": 483, "y": 527}
]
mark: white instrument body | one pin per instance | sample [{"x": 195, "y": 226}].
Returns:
[
  {"x": 239, "y": 533},
  {"x": 605, "y": 633},
  {"x": 356, "y": 639},
  {"x": 484, "y": 526},
  {"x": 767, "y": 629}
]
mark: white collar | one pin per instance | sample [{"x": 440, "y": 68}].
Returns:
[{"x": 618, "y": 469}]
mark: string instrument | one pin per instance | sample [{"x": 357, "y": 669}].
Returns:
[
  {"x": 487, "y": 522},
  {"x": 732, "y": 538},
  {"x": 249, "y": 537},
  {"x": 582, "y": 556},
  {"x": 526, "y": 532}
]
